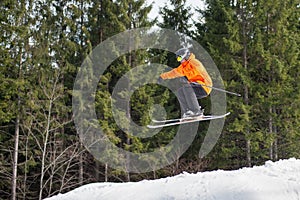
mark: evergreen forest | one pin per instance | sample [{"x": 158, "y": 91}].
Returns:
[{"x": 254, "y": 44}]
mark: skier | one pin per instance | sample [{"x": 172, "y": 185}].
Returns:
[{"x": 194, "y": 79}]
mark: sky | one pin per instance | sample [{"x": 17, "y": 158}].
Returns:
[{"x": 161, "y": 3}]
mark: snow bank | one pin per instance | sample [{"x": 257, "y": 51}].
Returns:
[{"x": 273, "y": 181}]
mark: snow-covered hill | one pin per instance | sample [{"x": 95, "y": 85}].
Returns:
[{"x": 273, "y": 181}]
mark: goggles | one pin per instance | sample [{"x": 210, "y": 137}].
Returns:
[{"x": 179, "y": 58}]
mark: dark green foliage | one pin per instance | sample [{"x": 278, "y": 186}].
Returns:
[
  {"x": 255, "y": 45},
  {"x": 177, "y": 17}
]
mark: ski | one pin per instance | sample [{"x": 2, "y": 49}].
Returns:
[
  {"x": 189, "y": 118},
  {"x": 172, "y": 122}
]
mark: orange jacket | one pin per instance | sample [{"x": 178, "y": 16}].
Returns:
[{"x": 193, "y": 70}]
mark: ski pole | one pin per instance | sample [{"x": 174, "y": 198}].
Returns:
[{"x": 221, "y": 90}]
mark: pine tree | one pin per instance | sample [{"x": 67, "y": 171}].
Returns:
[
  {"x": 177, "y": 16},
  {"x": 15, "y": 42},
  {"x": 250, "y": 50},
  {"x": 287, "y": 146},
  {"x": 220, "y": 35},
  {"x": 276, "y": 32},
  {"x": 59, "y": 40},
  {"x": 39, "y": 44},
  {"x": 122, "y": 15}
]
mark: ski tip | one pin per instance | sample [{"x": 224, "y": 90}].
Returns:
[
  {"x": 218, "y": 115},
  {"x": 153, "y": 126},
  {"x": 156, "y": 121},
  {"x": 226, "y": 114}
]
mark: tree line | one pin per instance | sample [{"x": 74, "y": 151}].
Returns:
[{"x": 254, "y": 43}]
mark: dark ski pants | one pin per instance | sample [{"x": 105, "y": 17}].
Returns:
[{"x": 188, "y": 96}]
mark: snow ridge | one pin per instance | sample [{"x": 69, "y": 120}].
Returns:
[{"x": 272, "y": 181}]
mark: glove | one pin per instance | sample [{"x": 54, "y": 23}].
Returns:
[
  {"x": 160, "y": 80},
  {"x": 183, "y": 79}
]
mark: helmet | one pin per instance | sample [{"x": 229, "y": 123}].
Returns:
[{"x": 182, "y": 54}]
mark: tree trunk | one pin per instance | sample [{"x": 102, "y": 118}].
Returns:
[
  {"x": 271, "y": 133},
  {"x": 15, "y": 154},
  {"x": 16, "y": 138},
  {"x": 275, "y": 144},
  {"x": 25, "y": 167},
  {"x": 47, "y": 132},
  {"x": 246, "y": 89},
  {"x": 106, "y": 172},
  {"x": 81, "y": 167}
]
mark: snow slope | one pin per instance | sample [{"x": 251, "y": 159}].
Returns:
[{"x": 273, "y": 181}]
